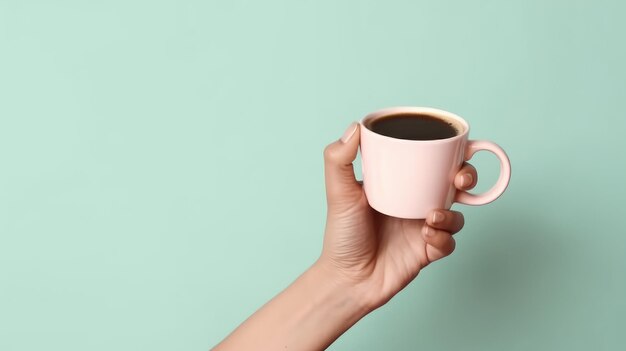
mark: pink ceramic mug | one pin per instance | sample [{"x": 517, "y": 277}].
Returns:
[{"x": 408, "y": 178}]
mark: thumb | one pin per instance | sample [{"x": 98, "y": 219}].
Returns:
[{"x": 341, "y": 184}]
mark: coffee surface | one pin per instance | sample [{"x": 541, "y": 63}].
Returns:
[{"x": 413, "y": 127}]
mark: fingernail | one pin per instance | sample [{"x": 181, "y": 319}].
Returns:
[
  {"x": 347, "y": 135},
  {"x": 438, "y": 217},
  {"x": 467, "y": 180},
  {"x": 426, "y": 230}
]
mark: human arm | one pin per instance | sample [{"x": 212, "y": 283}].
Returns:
[{"x": 366, "y": 259}]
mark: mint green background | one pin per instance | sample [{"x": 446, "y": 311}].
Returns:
[{"x": 161, "y": 166}]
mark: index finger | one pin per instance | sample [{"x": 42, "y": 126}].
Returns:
[{"x": 466, "y": 178}]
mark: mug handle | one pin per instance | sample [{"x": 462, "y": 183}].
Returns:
[{"x": 471, "y": 148}]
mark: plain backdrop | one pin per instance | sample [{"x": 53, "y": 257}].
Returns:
[{"x": 161, "y": 166}]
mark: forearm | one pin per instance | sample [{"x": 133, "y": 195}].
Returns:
[{"x": 309, "y": 315}]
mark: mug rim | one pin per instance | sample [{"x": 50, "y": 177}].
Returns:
[{"x": 435, "y": 112}]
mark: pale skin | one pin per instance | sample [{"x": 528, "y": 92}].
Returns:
[{"x": 367, "y": 258}]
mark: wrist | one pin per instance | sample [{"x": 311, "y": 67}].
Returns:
[{"x": 355, "y": 294}]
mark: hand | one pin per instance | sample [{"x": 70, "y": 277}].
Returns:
[
  {"x": 376, "y": 254},
  {"x": 367, "y": 258}
]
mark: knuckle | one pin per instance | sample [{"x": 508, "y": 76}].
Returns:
[
  {"x": 330, "y": 153},
  {"x": 456, "y": 222},
  {"x": 452, "y": 246},
  {"x": 460, "y": 218}
]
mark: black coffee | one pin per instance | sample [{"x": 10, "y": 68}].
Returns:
[{"x": 413, "y": 127}]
